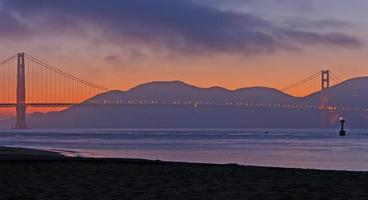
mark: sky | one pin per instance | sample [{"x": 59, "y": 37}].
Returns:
[{"x": 230, "y": 43}]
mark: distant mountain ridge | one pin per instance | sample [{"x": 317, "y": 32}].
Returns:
[
  {"x": 350, "y": 93},
  {"x": 180, "y": 91}
]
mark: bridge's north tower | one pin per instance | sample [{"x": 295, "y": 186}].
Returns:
[
  {"x": 21, "y": 92},
  {"x": 325, "y": 85}
]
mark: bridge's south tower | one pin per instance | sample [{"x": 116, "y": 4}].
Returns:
[{"x": 21, "y": 93}]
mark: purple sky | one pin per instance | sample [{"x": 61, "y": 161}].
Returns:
[{"x": 121, "y": 43}]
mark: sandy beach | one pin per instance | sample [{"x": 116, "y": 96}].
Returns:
[{"x": 33, "y": 174}]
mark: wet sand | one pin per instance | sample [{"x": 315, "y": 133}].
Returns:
[
  {"x": 11, "y": 153},
  {"x": 32, "y": 174}
]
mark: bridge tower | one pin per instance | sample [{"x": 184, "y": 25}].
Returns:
[
  {"x": 325, "y": 85},
  {"x": 21, "y": 93}
]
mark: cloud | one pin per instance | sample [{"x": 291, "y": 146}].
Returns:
[
  {"x": 303, "y": 24},
  {"x": 180, "y": 26},
  {"x": 333, "y": 39},
  {"x": 127, "y": 57},
  {"x": 10, "y": 26},
  {"x": 113, "y": 58}
]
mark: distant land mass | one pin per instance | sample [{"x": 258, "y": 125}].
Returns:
[{"x": 188, "y": 106}]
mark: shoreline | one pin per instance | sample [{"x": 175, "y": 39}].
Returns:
[
  {"x": 29, "y": 154},
  {"x": 19, "y": 153}
]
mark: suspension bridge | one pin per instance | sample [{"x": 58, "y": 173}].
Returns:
[{"x": 27, "y": 81}]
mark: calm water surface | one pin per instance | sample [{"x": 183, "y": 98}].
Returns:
[{"x": 301, "y": 148}]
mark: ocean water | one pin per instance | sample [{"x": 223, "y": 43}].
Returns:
[{"x": 295, "y": 148}]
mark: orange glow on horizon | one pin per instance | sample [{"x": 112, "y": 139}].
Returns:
[{"x": 276, "y": 70}]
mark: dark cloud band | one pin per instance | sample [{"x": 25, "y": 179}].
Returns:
[{"x": 182, "y": 26}]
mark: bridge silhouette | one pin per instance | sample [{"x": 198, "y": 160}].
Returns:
[{"x": 26, "y": 81}]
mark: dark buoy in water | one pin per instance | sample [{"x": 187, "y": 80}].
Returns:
[
  {"x": 342, "y": 131},
  {"x": 266, "y": 132}
]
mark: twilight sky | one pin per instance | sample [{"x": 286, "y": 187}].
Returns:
[{"x": 230, "y": 43}]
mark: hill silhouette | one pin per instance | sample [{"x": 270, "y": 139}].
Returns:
[
  {"x": 169, "y": 91},
  {"x": 351, "y": 93}
]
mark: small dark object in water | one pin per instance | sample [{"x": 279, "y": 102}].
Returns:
[
  {"x": 266, "y": 132},
  {"x": 342, "y": 131}
]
